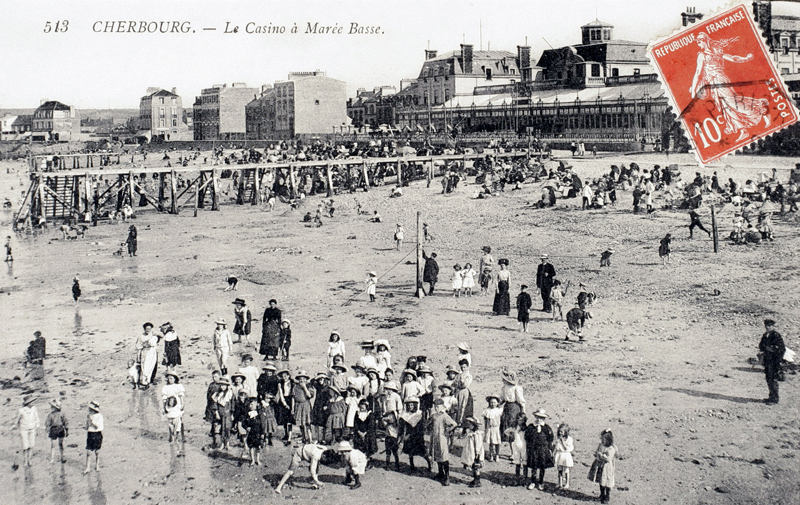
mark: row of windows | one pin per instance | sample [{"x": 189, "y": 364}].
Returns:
[{"x": 161, "y": 100}]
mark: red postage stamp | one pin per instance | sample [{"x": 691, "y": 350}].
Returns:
[{"x": 723, "y": 83}]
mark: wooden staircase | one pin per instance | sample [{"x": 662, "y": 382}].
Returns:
[{"x": 64, "y": 187}]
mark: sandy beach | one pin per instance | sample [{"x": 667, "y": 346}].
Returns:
[{"x": 665, "y": 366}]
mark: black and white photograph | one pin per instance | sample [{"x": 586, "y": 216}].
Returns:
[{"x": 400, "y": 251}]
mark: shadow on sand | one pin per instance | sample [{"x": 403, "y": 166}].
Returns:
[{"x": 713, "y": 396}]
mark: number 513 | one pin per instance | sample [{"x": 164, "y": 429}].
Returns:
[{"x": 59, "y": 27}]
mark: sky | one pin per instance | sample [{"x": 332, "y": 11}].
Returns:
[{"x": 89, "y": 70}]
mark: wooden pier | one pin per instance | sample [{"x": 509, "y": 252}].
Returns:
[{"x": 57, "y": 192}]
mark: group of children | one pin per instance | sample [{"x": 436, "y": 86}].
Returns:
[{"x": 57, "y": 428}]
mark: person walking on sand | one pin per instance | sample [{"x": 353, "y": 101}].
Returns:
[
  {"x": 502, "y": 301},
  {"x": 172, "y": 346},
  {"x": 544, "y": 281},
  {"x": 695, "y": 223},
  {"x": 57, "y": 429},
  {"x": 372, "y": 283},
  {"x": 430, "y": 273},
  {"x": 76, "y": 289},
  {"x": 94, "y": 436},
  {"x": 28, "y": 422},
  {"x": 773, "y": 349},
  {"x": 132, "y": 241},
  {"x": 244, "y": 319},
  {"x": 664, "y": 250},
  {"x": 271, "y": 332},
  {"x": 485, "y": 267},
  {"x": 147, "y": 355},
  {"x": 399, "y": 234},
  {"x": 222, "y": 344},
  {"x": 524, "y": 304}
]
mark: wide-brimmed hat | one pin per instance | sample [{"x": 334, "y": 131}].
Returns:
[
  {"x": 423, "y": 368},
  {"x": 344, "y": 445},
  {"x": 463, "y": 346},
  {"x": 391, "y": 385},
  {"x": 28, "y": 400},
  {"x": 486, "y": 249},
  {"x": 286, "y": 322},
  {"x": 55, "y": 403},
  {"x": 540, "y": 413},
  {"x": 410, "y": 371},
  {"x": 610, "y": 249},
  {"x": 166, "y": 325},
  {"x": 286, "y": 371},
  {"x": 238, "y": 374},
  {"x": 493, "y": 396},
  {"x": 339, "y": 366},
  {"x": 94, "y": 406},
  {"x": 543, "y": 257},
  {"x": 221, "y": 321},
  {"x": 502, "y": 261},
  {"x": 445, "y": 386},
  {"x": 372, "y": 273},
  {"x": 357, "y": 367},
  {"x": 269, "y": 366},
  {"x": 451, "y": 369},
  {"x": 510, "y": 377},
  {"x": 473, "y": 421},
  {"x": 302, "y": 373},
  {"x": 383, "y": 342},
  {"x": 372, "y": 370},
  {"x": 238, "y": 301},
  {"x": 170, "y": 372},
  {"x": 367, "y": 344},
  {"x": 321, "y": 375},
  {"x": 411, "y": 399}
]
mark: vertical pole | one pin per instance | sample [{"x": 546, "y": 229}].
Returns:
[
  {"x": 42, "y": 210},
  {"x": 366, "y": 176},
  {"x": 419, "y": 293},
  {"x": 173, "y": 190},
  {"x": 87, "y": 192},
  {"x": 161, "y": 191},
  {"x": 399, "y": 174},
  {"x": 714, "y": 228},
  {"x": 95, "y": 214},
  {"x": 197, "y": 192},
  {"x": 292, "y": 182},
  {"x": 215, "y": 189},
  {"x": 329, "y": 176},
  {"x": 256, "y": 185},
  {"x": 130, "y": 185}
]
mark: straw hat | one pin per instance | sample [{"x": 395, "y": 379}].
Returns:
[
  {"x": 463, "y": 346},
  {"x": 238, "y": 374},
  {"x": 94, "y": 406},
  {"x": 28, "y": 400},
  {"x": 302, "y": 373},
  {"x": 344, "y": 445},
  {"x": 320, "y": 375},
  {"x": 372, "y": 273},
  {"x": 238, "y": 301},
  {"x": 450, "y": 369},
  {"x": 391, "y": 385},
  {"x": 367, "y": 344},
  {"x": 339, "y": 366},
  {"x": 170, "y": 372},
  {"x": 410, "y": 371},
  {"x": 55, "y": 403},
  {"x": 493, "y": 396},
  {"x": 221, "y": 321},
  {"x": 540, "y": 413},
  {"x": 543, "y": 257},
  {"x": 287, "y": 372},
  {"x": 286, "y": 322},
  {"x": 473, "y": 421},
  {"x": 269, "y": 366},
  {"x": 224, "y": 380},
  {"x": 446, "y": 386},
  {"x": 383, "y": 342},
  {"x": 510, "y": 377},
  {"x": 411, "y": 399},
  {"x": 423, "y": 368}
]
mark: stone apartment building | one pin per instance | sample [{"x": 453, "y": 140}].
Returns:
[
  {"x": 219, "y": 112},
  {"x": 161, "y": 115},
  {"x": 55, "y": 121},
  {"x": 307, "y": 103}
]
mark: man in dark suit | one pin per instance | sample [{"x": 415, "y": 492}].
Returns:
[
  {"x": 430, "y": 273},
  {"x": 544, "y": 281},
  {"x": 773, "y": 348}
]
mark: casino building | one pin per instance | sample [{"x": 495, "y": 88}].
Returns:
[{"x": 601, "y": 90}]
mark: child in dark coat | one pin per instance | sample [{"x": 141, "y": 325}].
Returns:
[{"x": 539, "y": 446}]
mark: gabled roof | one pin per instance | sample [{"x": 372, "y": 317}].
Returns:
[
  {"x": 53, "y": 105},
  {"x": 161, "y": 92},
  {"x": 23, "y": 120}
]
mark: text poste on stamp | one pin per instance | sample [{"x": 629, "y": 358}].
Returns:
[{"x": 723, "y": 84}]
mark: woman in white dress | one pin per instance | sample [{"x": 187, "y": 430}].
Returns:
[
  {"x": 147, "y": 355},
  {"x": 399, "y": 234},
  {"x": 469, "y": 279}
]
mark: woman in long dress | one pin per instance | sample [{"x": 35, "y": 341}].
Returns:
[
  {"x": 502, "y": 300},
  {"x": 147, "y": 355},
  {"x": 461, "y": 384},
  {"x": 271, "y": 331},
  {"x": 172, "y": 346},
  {"x": 710, "y": 82}
]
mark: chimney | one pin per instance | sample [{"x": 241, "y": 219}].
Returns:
[
  {"x": 430, "y": 54},
  {"x": 174, "y": 91},
  {"x": 466, "y": 58}
]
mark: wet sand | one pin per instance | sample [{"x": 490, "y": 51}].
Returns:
[{"x": 665, "y": 365}]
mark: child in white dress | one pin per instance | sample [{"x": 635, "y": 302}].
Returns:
[
  {"x": 372, "y": 284},
  {"x": 519, "y": 453},
  {"x": 458, "y": 280},
  {"x": 473, "y": 453},
  {"x": 563, "y": 455},
  {"x": 491, "y": 417},
  {"x": 469, "y": 279}
]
